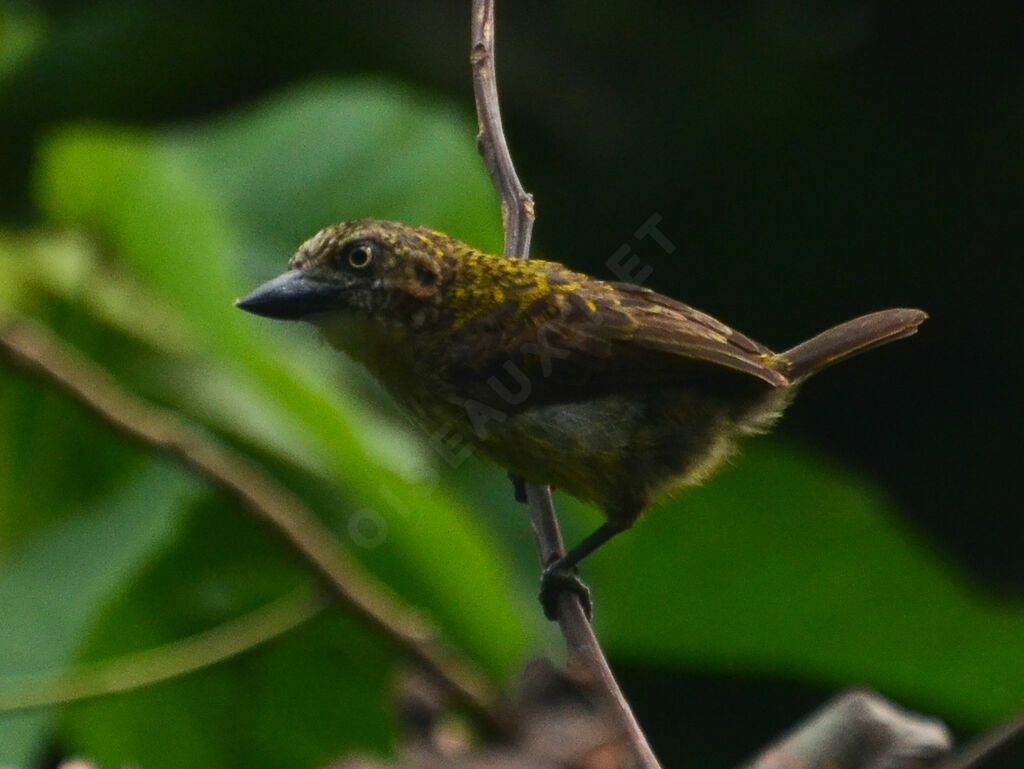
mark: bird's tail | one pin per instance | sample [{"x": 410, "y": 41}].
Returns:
[{"x": 846, "y": 340}]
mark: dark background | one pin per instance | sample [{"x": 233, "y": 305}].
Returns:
[{"x": 809, "y": 161}]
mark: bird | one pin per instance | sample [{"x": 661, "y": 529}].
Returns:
[{"x": 610, "y": 391}]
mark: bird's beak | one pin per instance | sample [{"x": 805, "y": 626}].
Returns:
[{"x": 291, "y": 296}]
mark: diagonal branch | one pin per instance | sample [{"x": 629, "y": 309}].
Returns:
[
  {"x": 860, "y": 729},
  {"x": 586, "y": 658},
  {"x": 27, "y": 345},
  {"x": 991, "y": 745}
]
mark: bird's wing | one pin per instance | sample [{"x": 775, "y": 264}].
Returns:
[
  {"x": 663, "y": 325},
  {"x": 598, "y": 338}
]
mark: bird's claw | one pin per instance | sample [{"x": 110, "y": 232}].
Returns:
[{"x": 553, "y": 582}]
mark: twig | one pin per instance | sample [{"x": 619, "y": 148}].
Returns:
[
  {"x": 31, "y": 347},
  {"x": 990, "y": 745},
  {"x": 585, "y": 655},
  {"x": 163, "y": 663},
  {"x": 517, "y": 212},
  {"x": 860, "y": 729}
]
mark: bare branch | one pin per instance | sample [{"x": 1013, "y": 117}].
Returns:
[
  {"x": 586, "y": 658},
  {"x": 29, "y": 346},
  {"x": 990, "y": 745},
  {"x": 517, "y": 212},
  {"x": 860, "y": 730}
]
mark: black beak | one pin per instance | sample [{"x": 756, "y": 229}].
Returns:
[{"x": 291, "y": 296}]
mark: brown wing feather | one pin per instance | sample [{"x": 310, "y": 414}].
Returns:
[
  {"x": 593, "y": 340},
  {"x": 665, "y": 325}
]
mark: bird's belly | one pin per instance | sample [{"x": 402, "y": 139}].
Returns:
[
  {"x": 572, "y": 446},
  {"x": 620, "y": 451}
]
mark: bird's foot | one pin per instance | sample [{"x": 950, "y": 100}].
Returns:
[{"x": 553, "y": 582}]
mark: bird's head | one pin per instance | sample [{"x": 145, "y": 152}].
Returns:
[{"x": 364, "y": 267}]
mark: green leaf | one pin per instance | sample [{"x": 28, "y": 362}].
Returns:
[
  {"x": 54, "y": 584},
  {"x": 197, "y": 215},
  {"x": 781, "y": 566},
  {"x": 789, "y": 566},
  {"x": 299, "y": 700},
  {"x": 325, "y": 152},
  {"x": 54, "y": 457}
]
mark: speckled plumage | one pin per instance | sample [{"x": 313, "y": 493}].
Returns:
[{"x": 609, "y": 391}]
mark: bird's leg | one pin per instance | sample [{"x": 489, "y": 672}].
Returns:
[
  {"x": 518, "y": 487},
  {"x": 560, "y": 574}
]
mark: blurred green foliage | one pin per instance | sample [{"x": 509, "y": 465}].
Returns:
[
  {"x": 788, "y": 566},
  {"x": 181, "y": 220}
]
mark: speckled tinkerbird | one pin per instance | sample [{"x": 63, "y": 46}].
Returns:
[{"x": 609, "y": 391}]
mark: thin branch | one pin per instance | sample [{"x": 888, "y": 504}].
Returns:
[
  {"x": 586, "y": 659},
  {"x": 31, "y": 347},
  {"x": 990, "y": 745},
  {"x": 162, "y": 663},
  {"x": 585, "y": 655},
  {"x": 517, "y": 212},
  {"x": 860, "y": 729}
]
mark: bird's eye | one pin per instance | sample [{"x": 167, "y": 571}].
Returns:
[{"x": 360, "y": 255}]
